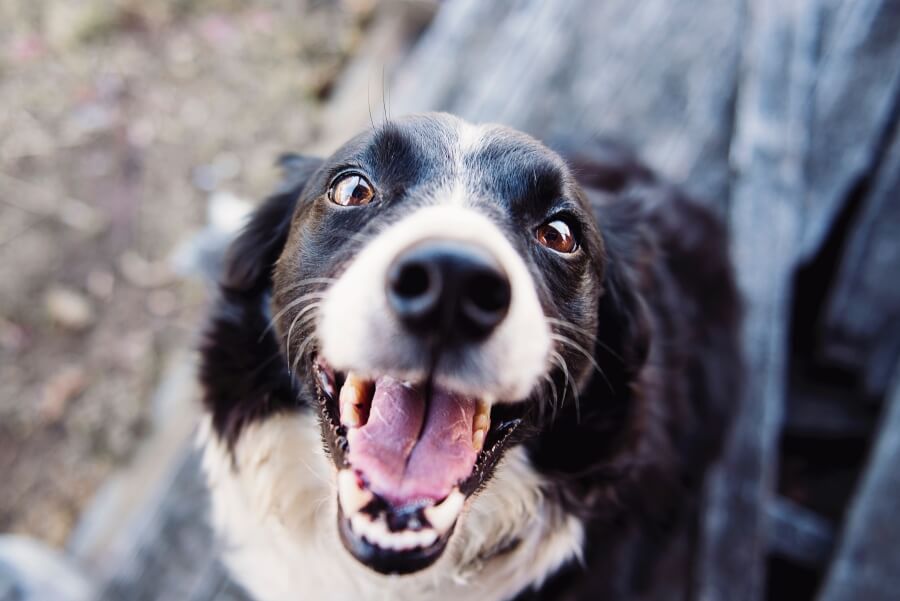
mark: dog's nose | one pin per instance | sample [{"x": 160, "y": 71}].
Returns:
[{"x": 448, "y": 288}]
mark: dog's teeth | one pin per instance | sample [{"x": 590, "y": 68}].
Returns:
[
  {"x": 351, "y": 416},
  {"x": 351, "y": 496},
  {"x": 478, "y": 440},
  {"x": 481, "y": 424},
  {"x": 359, "y": 523},
  {"x": 426, "y": 538},
  {"x": 354, "y": 397},
  {"x": 442, "y": 516},
  {"x": 376, "y": 532}
]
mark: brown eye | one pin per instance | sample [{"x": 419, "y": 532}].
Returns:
[
  {"x": 351, "y": 190},
  {"x": 557, "y": 235}
]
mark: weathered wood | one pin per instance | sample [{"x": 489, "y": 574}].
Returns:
[
  {"x": 175, "y": 557},
  {"x": 563, "y": 70},
  {"x": 852, "y": 105},
  {"x": 798, "y": 534},
  {"x": 867, "y": 562},
  {"x": 862, "y": 316},
  {"x": 765, "y": 221},
  {"x": 816, "y": 410}
]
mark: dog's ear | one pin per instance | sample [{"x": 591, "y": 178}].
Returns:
[
  {"x": 250, "y": 258},
  {"x": 623, "y": 341}
]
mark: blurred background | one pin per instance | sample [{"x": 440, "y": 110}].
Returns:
[{"x": 135, "y": 137}]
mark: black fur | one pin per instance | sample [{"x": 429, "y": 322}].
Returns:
[
  {"x": 651, "y": 297},
  {"x": 243, "y": 372}
]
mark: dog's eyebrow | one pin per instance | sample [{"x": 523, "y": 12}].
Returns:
[
  {"x": 518, "y": 174},
  {"x": 392, "y": 154}
]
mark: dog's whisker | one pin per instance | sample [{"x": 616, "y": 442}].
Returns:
[
  {"x": 301, "y": 351},
  {"x": 555, "y": 402},
  {"x": 568, "y": 325},
  {"x": 265, "y": 363},
  {"x": 573, "y": 345},
  {"x": 565, "y": 368},
  {"x": 311, "y": 309},
  {"x": 315, "y": 474},
  {"x": 593, "y": 339},
  {"x": 297, "y": 301},
  {"x": 303, "y": 323},
  {"x": 304, "y": 346},
  {"x": 610, "y": 350}
]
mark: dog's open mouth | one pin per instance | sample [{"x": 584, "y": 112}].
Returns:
[{"x": 406, "y": 464}]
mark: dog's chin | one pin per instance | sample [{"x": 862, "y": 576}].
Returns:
[{"x": 408, "y": 456}]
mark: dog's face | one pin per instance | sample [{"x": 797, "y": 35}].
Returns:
[{"x": 438, "y": 290}]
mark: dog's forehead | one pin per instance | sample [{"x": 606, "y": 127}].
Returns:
[{"x": 438, "y": 148}]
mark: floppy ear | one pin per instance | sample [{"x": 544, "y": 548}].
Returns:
[
  {"x": 249, "y": 259},
  {"x": 624, "y": 316},
  {"x": 625, "y": 328}
]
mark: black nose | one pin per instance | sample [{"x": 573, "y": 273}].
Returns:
[{"x": 448, "y": 288}]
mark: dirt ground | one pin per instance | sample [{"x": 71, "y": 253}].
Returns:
[{"x": 118, "y": 120}]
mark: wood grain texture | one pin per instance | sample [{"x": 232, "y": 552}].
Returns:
[
  {"x": 852, "y": 108},
  {"x": 865, "y": 564},
  {"x": 765, "y": 224},
  {"x": 175, "y": 554},
  {"x": 588, "y": 69},
  {"x": 861, "y": 323}
]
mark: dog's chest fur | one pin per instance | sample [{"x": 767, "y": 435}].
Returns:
[{"x": 275, "y": 510}]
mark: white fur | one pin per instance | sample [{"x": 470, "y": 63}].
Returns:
[
  {"x": 468, "y": 141},
  {"x": 276, "y": 515},
  {"x": 358, "y": 333}
]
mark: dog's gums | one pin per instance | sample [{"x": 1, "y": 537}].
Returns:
[{"x": 406, "y": 463}]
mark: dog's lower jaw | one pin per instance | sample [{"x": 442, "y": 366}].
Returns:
[{"x": 274, "y": 510}]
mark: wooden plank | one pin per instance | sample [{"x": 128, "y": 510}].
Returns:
[
  {"x": 766, "y": 220},
  {"x": 867, "y": 562},
  {"x": 798, "y": 534},
  {"x": 853, "y": 105},
  {"x": 817, "y": 410},
  {"x": 584, "y": 69},
  {"x": 862, "y": 316},
  {"x": 175, "y": 556},
  {"x": 216, "y": 585}
]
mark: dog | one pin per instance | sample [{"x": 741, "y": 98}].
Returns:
[{"x": 447, "y": 363}]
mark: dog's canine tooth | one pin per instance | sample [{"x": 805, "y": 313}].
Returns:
[
  {"x": 481, "y": 424},
  {"x": 350, "y": 495},
  {"x": 351, "y": 416},
  {"x": 355, "y": 395},
  {"x": 442, "y": 516},
  {"x": 478, "y": 440}
]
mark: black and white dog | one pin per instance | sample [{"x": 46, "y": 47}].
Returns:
[{"x": 446, "y": 364}]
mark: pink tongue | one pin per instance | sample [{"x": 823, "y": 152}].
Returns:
[{"x": 397, "y": 462}]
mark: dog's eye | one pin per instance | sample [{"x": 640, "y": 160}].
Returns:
[
  {"x": 351, "y": 190},
  {"x": 557, "y": 235}
]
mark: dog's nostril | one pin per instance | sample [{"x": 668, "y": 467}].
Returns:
[
  {"x": 411, "y": 281},
  {"x": 485, "y": 301},
  {"x": 414, "y": 289},
  {"x": 489, "y": 292}
]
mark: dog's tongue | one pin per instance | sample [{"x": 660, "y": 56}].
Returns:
[{"x": 409, "y": 452}]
